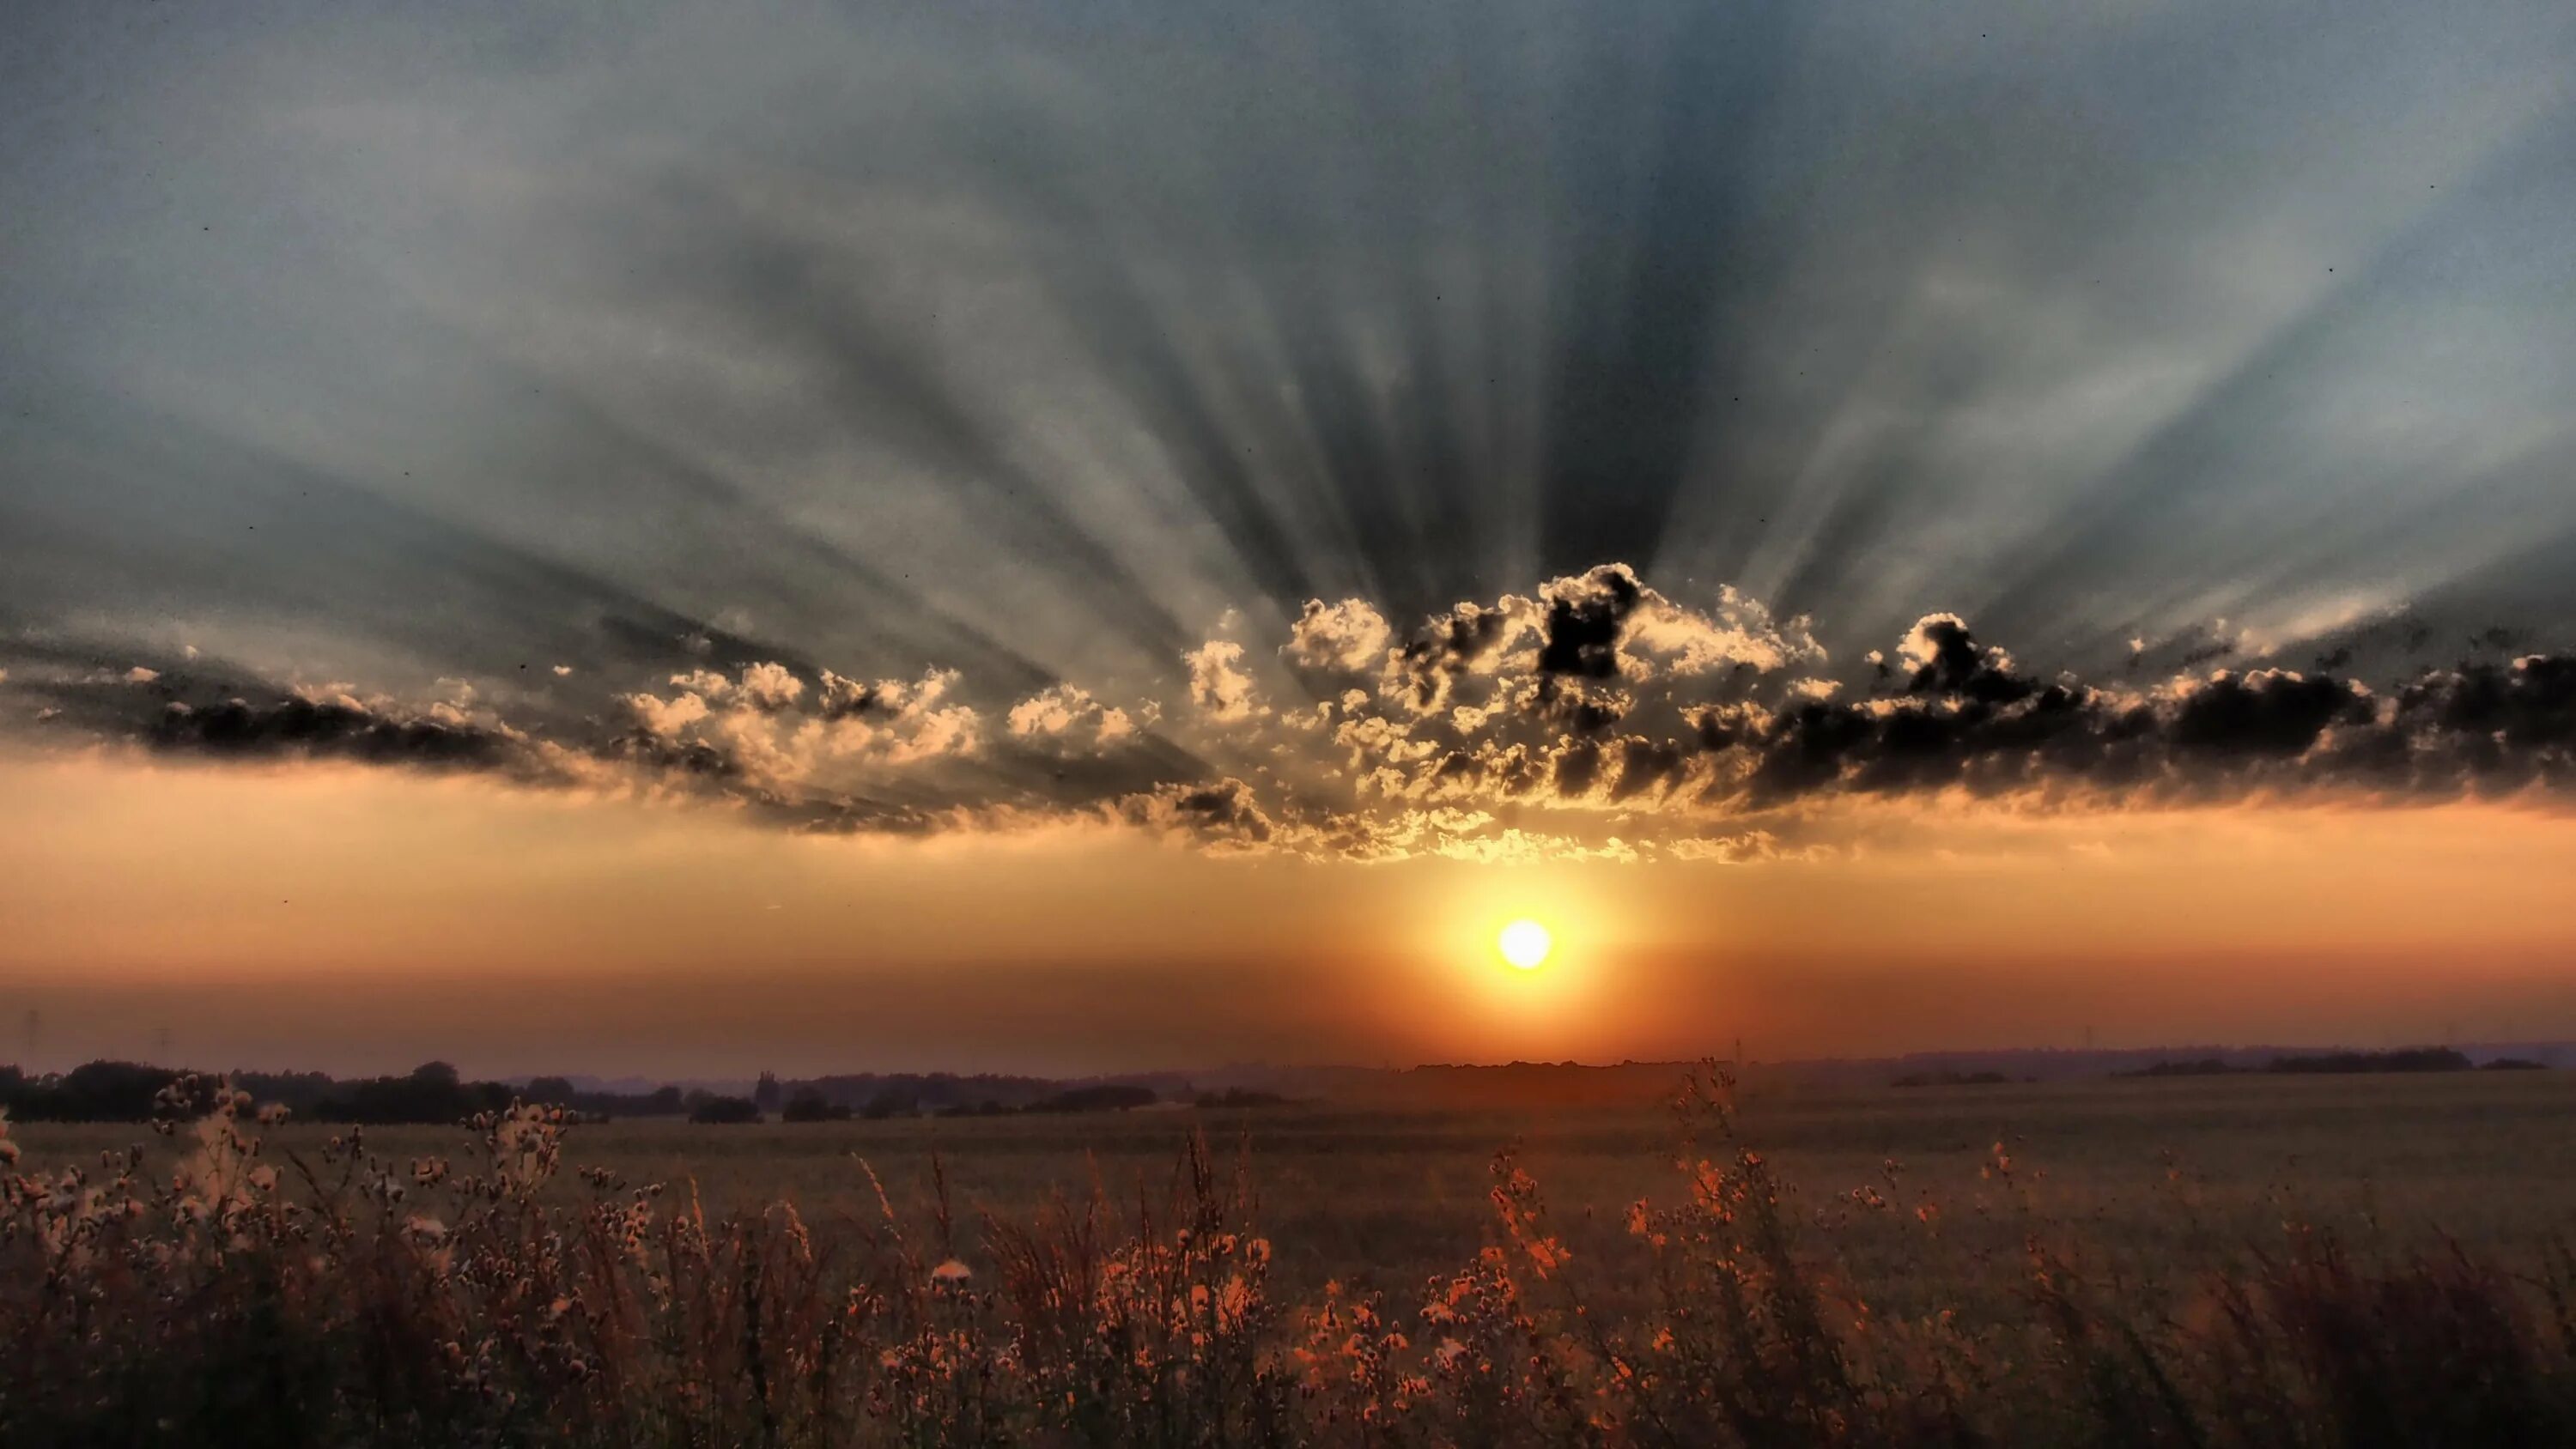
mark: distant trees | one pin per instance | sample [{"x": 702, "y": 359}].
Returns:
[
  {"x": 434, "y": 1092},
  {"x": 2407, "y": 1059},
  {"x": 889, "y": 1102},
  {"x": 1234, "y": 1097},
  {"x": 1108, "y": 1097},
  {"x": 1954, "y": 1079},
  {"x": 2411, "y": 1059},
  {"x": 809, "y": 1105},
  {"x": 724, "y": 1111},
  {"x": 91, "y": 1092}
]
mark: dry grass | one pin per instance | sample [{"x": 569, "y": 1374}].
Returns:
[{"x": 2210, "y": 1262}]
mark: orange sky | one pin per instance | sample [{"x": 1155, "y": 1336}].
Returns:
[{"x": 352, "y": 919}]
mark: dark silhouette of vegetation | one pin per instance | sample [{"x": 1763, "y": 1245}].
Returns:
[
  {"x": 724, "y": 1111},
  {"x": 90, "y": 1092},
  {"x": 1240, "y": 1097},
  {"x": 432, "y": 1092},
  {"x": 808, "y": 1105},
  {"x": 2411, "y": 1059},
  {"x": 2200, "y": 1067},
  {"x": 1108, "y": 1097},
  {"x": 2408, "y": 1059},
  {"x": 1952, "y": 1079},
  {"x": 890, "y": 1102}
]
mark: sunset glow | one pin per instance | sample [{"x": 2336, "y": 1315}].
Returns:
[
  {"x": 1161, "y": 538},
  {"x": 1525, "y": 944}
]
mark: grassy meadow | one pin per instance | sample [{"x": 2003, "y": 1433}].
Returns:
[{"x": 2004, "y": 1263}]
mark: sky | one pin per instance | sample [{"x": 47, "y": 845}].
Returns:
[{"x": 1081, "y": 538}]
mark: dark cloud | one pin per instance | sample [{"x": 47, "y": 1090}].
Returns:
[
  {"x": 2266, "y": 714},
  {"x": 1585, "y": 620},
  {"x": 1577, "y": 768},
  {"x": 1949, "y": 661},
  {"x": 1450, "y": 644},
  {"x": 1648, "y": 767},
  {"x": 315, "y": 729}
]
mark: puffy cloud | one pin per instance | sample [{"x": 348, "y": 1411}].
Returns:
[
  {"x": 1350, "y": 636},
  {"x": 1586, "y": 631},
  {"x": 764, "y": 686},
  {"x": 769, "y": 686},
  {"x": 1218, "y": 684},
  {"x": 1064, "y": 717},
  {"x": 666, "y": 718}
]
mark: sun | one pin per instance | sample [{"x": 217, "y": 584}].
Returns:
[{"x": 1525, "y": 944}]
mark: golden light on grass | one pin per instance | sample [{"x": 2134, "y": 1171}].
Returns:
[{"x": 1525, "y": 943}]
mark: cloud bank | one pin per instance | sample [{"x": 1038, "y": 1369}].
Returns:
[{"x": 1593, "y": 716}]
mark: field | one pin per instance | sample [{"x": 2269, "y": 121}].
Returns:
[
  {"x": 2160, "y": 1173},
  {"x": 1965, "y": 1207}
]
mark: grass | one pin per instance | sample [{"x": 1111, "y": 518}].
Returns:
[{"x": 2195, "y": 1260}]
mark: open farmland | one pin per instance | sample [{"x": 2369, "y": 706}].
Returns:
[
  {"x": 2156, "y": 1178},
  {"x": 2234, "y": 1260}
]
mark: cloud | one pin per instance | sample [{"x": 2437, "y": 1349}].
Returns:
[
  {"x": 1222, "y": 813},
  {"x": 1946, "y": 659},
  {"x": 1065, "y": 718},
  {"x": 1350, "y": 636},
  {"x": 1588, "y": 710},
  {"x": 1744, "y": 849},
  {"x": 666, "y": 718},
  {"x": 1219, "y": 687},
  {"x": 300, "y": 728}
]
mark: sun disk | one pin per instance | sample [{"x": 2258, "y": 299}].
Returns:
[{"x": 1525, "y": 944}]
